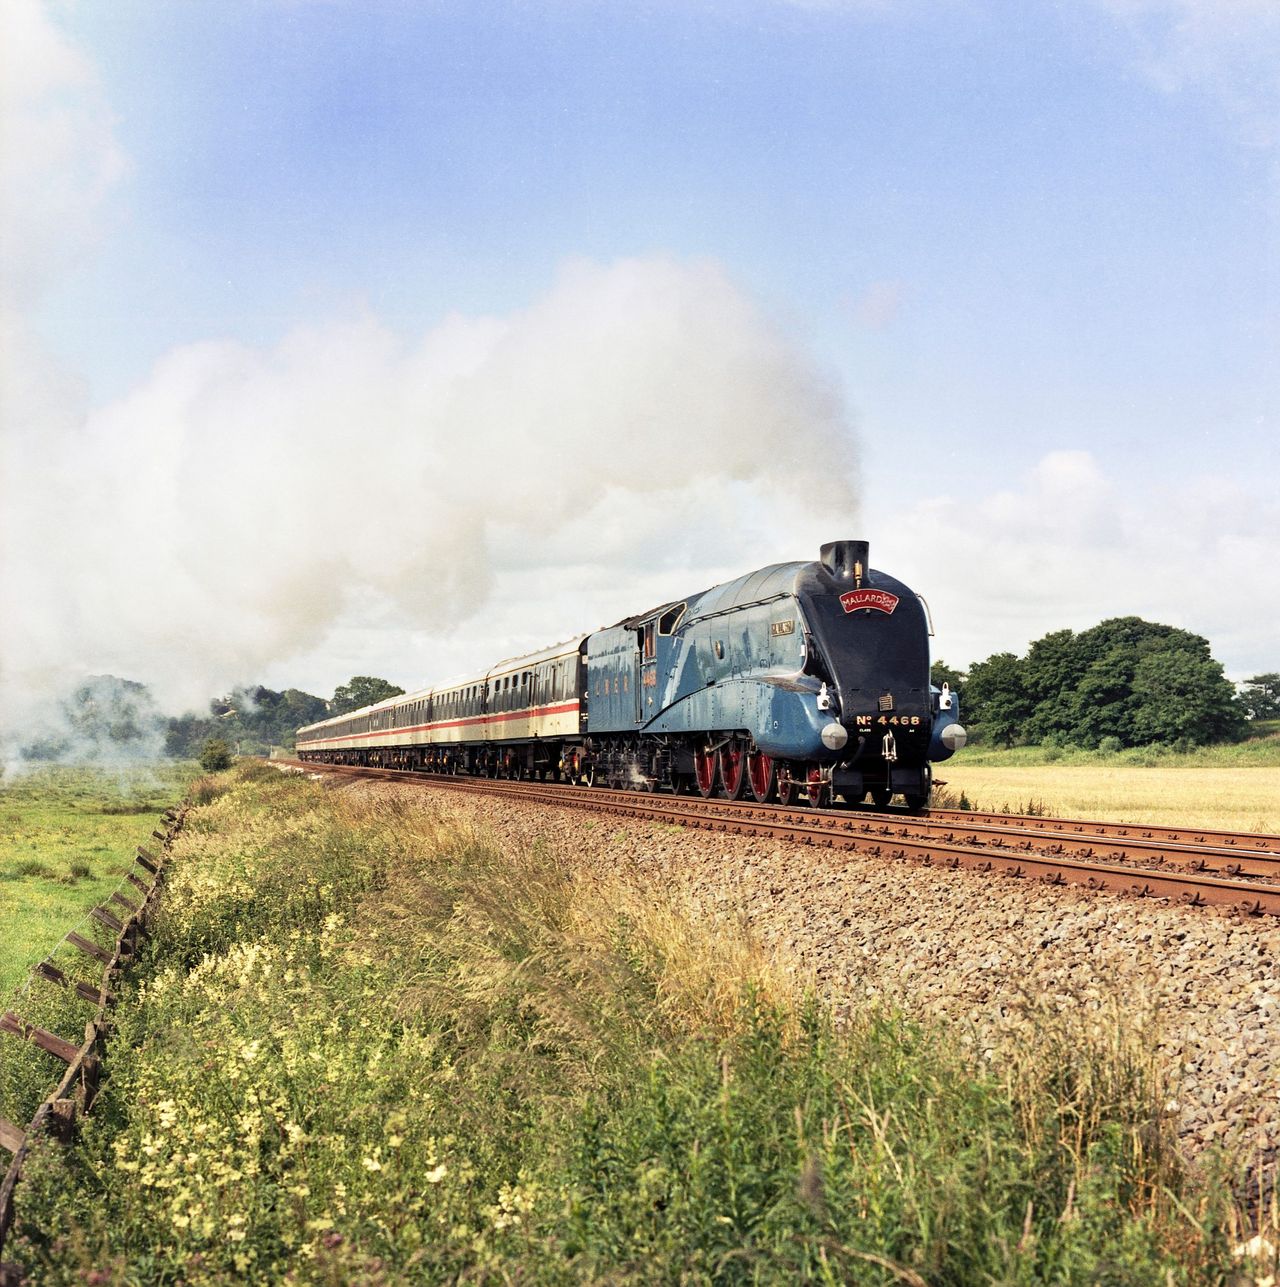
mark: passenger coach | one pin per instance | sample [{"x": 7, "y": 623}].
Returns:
[{"x": 512, "y": 720}]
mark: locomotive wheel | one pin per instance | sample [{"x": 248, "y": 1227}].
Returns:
[
  {"x": 733, "y": 770},
  {"x": 761, "y": 776},
  {"x": 817, "y": 792},
  {"x": 880, "y": 797},
  {"x": 788, "y": 788},
  {"x": 705, "y": 763}
]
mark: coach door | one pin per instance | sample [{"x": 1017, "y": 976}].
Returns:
[{"x": 647, "y": 679}]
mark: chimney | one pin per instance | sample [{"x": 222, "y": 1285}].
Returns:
[{"x": 846, "y": 560}]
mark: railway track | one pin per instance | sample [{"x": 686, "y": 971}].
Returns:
[{"x": 1195, "y": 868}]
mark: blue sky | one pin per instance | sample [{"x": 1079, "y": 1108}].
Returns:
[{"x": 1031, "y": 248}]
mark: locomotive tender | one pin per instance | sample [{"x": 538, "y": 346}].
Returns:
[{"x": 801, "y": 682}]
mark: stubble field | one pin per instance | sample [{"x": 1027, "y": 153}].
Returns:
[{"x": 1224, "y": 799}]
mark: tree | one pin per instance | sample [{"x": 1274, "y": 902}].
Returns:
[
  {"x": 215, "y": 755},
  {"x": 363, "y": 690},
  {"x": 1127, "y": 680},
  {"x": 103, "y": 718},
  {"x": 1054, "y": 665},
  {"x": 1261, "y": 696},
  {"x": 996, "y": 697},
  {"x": 1183, "y": 696},
  {"x": 1102, "y": 703},
  {"x": 251, "y": 718}
]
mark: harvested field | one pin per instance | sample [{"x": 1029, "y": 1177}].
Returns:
[{"x": 1235, "y": 799}]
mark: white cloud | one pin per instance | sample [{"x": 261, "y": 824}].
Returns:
[
  {"x": 1229, "y": 47},
  {"x": 1071, "y": 547},
  {"x": 58, "y": 154}
]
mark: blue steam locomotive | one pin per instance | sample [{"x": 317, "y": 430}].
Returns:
[{"x": 800, "y": 682}]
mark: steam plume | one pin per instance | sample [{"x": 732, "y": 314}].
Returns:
[{"x": 233, "y": 509}]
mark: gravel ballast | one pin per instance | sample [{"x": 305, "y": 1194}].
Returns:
[{"x": 982, "y": 952}]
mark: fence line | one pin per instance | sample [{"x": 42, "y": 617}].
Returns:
[{"x": 78, "y": 1086}]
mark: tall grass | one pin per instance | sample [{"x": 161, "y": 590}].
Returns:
[{"x": 367, "y": 1047}]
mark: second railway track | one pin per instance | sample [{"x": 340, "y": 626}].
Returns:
[{"x": 1195, "y": 868}]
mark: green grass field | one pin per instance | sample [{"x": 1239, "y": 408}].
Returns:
[{"x": 67, "y": 836}]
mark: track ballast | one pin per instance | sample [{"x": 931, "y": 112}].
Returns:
[{"x": 1189, "y": 867}]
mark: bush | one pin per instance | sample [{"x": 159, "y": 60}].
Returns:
[
  {"x": 1109, "y": 745},
  {"x": 215, "y": 755}
]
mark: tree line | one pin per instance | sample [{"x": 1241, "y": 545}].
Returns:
[
  {"x": 108, "y": 718},
  {"x": 253, "y": 719},
  {"x": 1125, "y": 682}
]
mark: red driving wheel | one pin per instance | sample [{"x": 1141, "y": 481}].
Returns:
[
  {"x": 733, "y": 775},
  {"x": 761, "y": 776},
  {"x": 704, "y": 770},
  {"x": 788, "y": 787}
]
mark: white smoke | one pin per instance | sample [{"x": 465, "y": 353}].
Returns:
[
  {"x": 493, "y": 483},
  {"x": 229, "y": 512}
]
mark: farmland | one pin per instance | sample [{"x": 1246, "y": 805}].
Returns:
[
  {"x": 67, "y": 836},
  {"x": 1227, "y": 799}
]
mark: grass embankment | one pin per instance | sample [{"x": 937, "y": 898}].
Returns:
[
  {"x": 367, "y": 1048},
  {"x": 1260, "y": 752},
  {"x": 67, "y": 836}
]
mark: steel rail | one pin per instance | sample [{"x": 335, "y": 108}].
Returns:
[
  {"x": 1059, "y": 836},
  {"x": 881, "y": 838}
]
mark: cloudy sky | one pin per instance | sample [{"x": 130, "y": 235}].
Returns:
[{"x": 390, "y": 337}]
